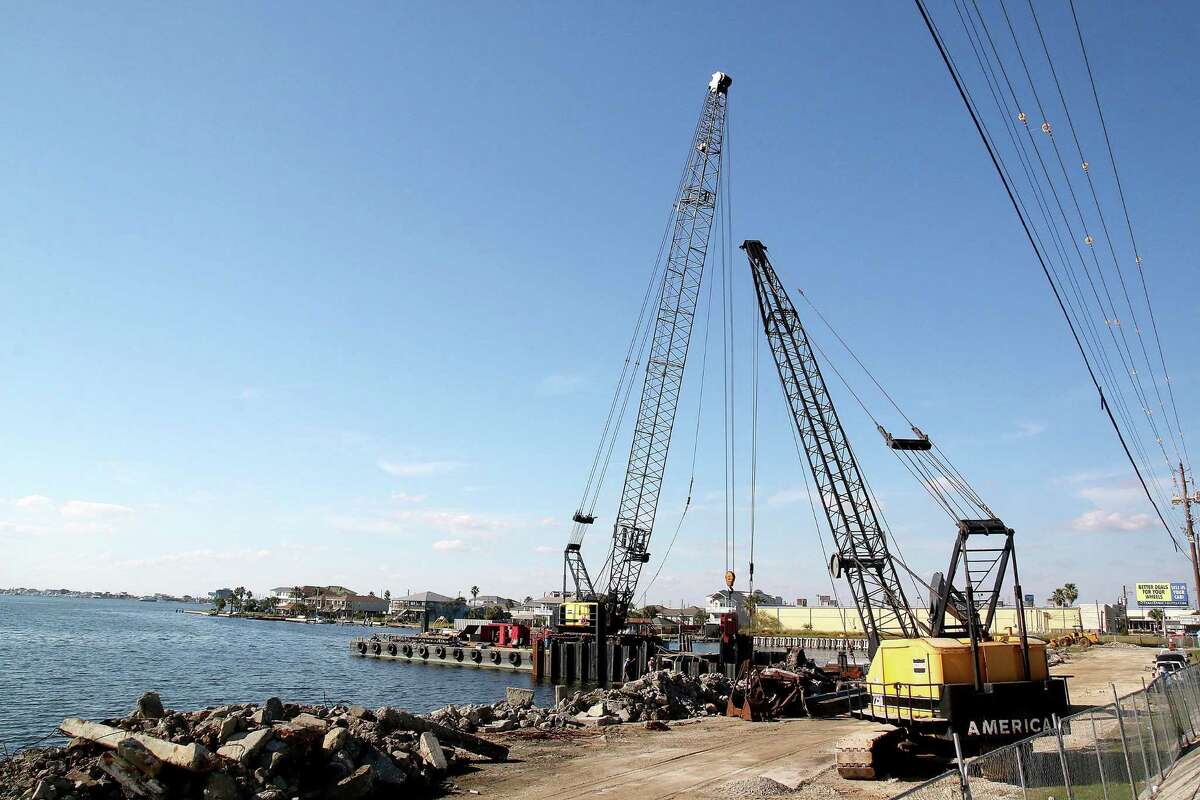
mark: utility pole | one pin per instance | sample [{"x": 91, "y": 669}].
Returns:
[{"x": 1186, "y": 501}]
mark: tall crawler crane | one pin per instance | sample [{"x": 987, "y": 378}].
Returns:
[
  {"x": 694, "y": 210},
  {"x": 945, "y": 679}
]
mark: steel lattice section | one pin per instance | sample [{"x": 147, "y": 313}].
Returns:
[
  {"x": 695, "y": 209},
  {"x": 860, "y": 540}
]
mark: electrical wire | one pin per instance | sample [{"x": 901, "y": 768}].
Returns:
[
  {"x": 1090, "y": 335},
  {"x": 992, "y": 154},
  {"x": 1129, "y": 226}
]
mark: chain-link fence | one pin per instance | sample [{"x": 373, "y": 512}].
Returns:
[{"x": 1121, "y": 751}]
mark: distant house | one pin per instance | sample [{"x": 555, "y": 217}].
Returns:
[
  {"x": 414, "y": 607},
  {"x": 729, "y": 600},
  {"x": 347, "y": 604},
  {"x": 686, "y": 615},
  {"x": 540, "y": 612},
  {"x": 221, "y": 594},
  {"x": 488, "y": 600},
  {"x": 299, "y": 594}
]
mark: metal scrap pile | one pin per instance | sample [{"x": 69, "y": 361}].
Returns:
[
  {"x": 799, "y": 688},
  {"x": 657, "y": 696},
  {"x": 275, "y": 751}
]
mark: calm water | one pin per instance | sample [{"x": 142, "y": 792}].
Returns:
[{"x": 94, "y": 658}]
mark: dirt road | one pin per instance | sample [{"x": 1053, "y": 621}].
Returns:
[{"x": 726, "y": 758}]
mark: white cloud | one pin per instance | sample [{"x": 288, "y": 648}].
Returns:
[
  {"x": 416, "y": 469},
  {"x": 1114, "y": 495},
  {"x": 560, "y": 383},
  {"x": 23, "y": 528},
  {"x": 405, "y": 497},
  {"x": 786, "y": 497},
  {"x": 447, "y": 545},
  {"x": 1027, "y": 429},
  {"x": 84, "y": 508},
  {"x": 32, "y": 501},
  {"x": 455, "y": 521},
  {"x": 442, "y": 520},
  {"x": 200, "y": 556},
  {"x": 1101, "y": 520},
  {"x": 364, "y": 524}
]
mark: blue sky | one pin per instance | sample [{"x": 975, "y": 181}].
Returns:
[{"x": 300, "y": 294}]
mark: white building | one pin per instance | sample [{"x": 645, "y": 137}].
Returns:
[
  {"x": 727, "y": 600},
  {"x": 540, "y": 611},
  {"x": 488, "y": 600}
]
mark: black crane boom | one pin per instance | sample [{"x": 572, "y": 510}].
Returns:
[{"x": 862, "y": 550}]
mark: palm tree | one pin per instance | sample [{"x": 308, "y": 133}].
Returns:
[
  {"x": 474, "y": 592},
  {"x": 1058, "y": 597},
  {"x": 1070, "y": 593},
  {"x": 1158, "y": 616}
]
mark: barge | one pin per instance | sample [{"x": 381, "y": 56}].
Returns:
[{"x": 488, "y": 645}]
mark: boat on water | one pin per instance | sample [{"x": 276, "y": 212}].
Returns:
[{"x": 147, "y": 599}]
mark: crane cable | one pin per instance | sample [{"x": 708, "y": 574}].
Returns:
[
  {"x": 695, "y": 441},
  {"x": 937, "y": 39},
  {"x": 629, "y": 371},
  {"x": 724, "y": 208}
]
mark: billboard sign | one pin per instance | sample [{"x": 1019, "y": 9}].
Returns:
[
  {"x": 1162, "y": 595},
  {"x": 1028, "y": 599}
]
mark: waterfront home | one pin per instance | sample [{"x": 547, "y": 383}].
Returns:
[
  {"x": 304, "y": 593},
  {"x": 347, "y": 604},
  {"x": 727, "y": 600},
  {"x": 414, "y": 607},
  {"x": 489, "y": 600}
]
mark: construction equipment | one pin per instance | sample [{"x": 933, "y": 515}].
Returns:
[
  {"x": 694, "y": 210},
  {"x": 942, "y": 679}
]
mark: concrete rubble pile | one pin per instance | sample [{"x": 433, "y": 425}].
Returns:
[
  {"x": 276, "y": 751},
  {"x": 657, "y": 696}
]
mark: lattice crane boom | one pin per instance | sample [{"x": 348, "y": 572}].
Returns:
[
  {"x": 862, "y": 553},
  {"x": 694, "y": 211}
]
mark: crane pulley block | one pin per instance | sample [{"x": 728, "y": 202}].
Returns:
[
  {"x": 920, "y": 443},
  {"x": 583, "y": 519},
  {"x": 986, "y": 527}
]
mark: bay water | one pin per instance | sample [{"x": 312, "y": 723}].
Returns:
[{"x": 67, "y": 657}]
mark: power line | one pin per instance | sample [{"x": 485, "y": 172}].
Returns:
[
  {"x": 963, "y": 94},
  {"x": 1129, "y": 226}
]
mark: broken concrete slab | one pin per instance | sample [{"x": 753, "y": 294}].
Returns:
[
  {"x": 431, "y": 751},
  {"x": 244, "y": 746},
  {"x": 192, "y": 757}
]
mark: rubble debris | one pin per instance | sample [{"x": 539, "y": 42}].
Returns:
[
  {"x": 150, "y": 705},
  {"x": 273, "y": 751},
  {"x": 193, "y": 757},
  {"x": 656, "y": 696}
]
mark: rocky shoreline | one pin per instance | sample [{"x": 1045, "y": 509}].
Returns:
[{"x": 280, "y": 751}]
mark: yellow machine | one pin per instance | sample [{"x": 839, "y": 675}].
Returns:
[
  {"x": 945, "y": 679},
  {"x": 577, "y": 616},
  {"x": 914, "y": 681}
]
